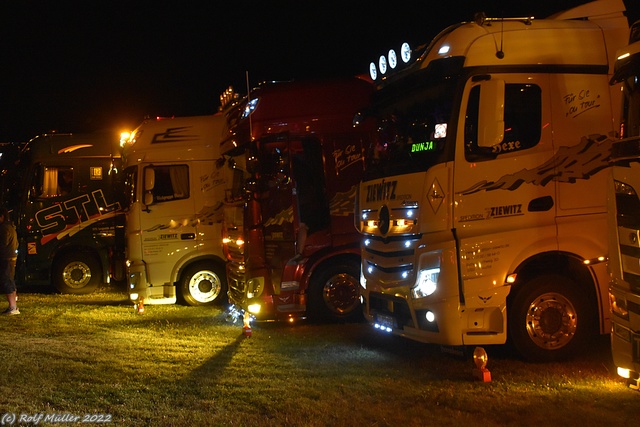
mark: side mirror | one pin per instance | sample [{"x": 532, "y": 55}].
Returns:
[
  {"x": 220, "y": 162},
  {"x": 231, "y": 163},
  {"x": 149, "y": 179},
  {"x": 149, "y": 184},
  {"x": 491, "y": 115},
  {"x": 252, "y": 164},
  {"x": 358, "y": 118},
  {"x": 252, "y": 185}
]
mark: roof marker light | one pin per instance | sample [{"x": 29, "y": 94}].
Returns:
[
  {"x": 393, "y": 59},
  {"x": 444, "y": 49},
  {"x": 389, "y": 62},
  {"x": 382, "y": 64},
  {"x": 405, "y": 52},
  {"x": 373, "y": 71}
]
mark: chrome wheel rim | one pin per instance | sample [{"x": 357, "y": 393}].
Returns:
[
  {"x": 551, "y": 321},
  {"x": 205, "y": 286},
  {"x": 76, "y": 275},
  {"x": 340, "y": 293}
]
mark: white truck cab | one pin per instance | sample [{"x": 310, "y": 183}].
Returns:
[
  {"x": 483, "y": 212},
  {"x": 174, "y": 211},
  {"x": 624, "y": 218}
]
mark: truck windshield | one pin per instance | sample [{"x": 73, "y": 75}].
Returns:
[{"x": 413, "y": 117}]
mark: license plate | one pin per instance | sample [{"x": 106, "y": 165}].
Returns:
[{"x": 385, "y": 321}]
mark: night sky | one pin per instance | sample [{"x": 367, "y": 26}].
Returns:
[{"x": 76, "y": 66}]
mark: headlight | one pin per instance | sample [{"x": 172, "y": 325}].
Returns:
[
  {"x": 624, "y": 373},
  {"x": 427, "y": 283}
]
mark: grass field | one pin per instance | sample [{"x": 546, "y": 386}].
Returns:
[{"x": 68, "y": 356}]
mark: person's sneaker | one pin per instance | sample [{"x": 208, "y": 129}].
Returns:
[{"x": 11, "y": 311}]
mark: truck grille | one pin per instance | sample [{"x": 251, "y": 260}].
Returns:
[
  {"x": 234, "y": 252},
  {"x": 390, "y": 260},
  {"x": 236, "y": 283}
]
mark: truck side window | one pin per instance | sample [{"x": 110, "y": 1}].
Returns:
[
  {"x": 237, "y": 186},
  {"x": 631, "y": 108},
  {"x": 522, "y": 122},
  {"x": 308, "y": 173},
  {"x": 171, "y": 183},
  {"x": 53, "y": 181}
]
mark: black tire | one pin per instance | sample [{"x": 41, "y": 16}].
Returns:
[
  {"x": 334, "y": 293},
  {"x": 76, "y": 273},
  {"x": 204, "y": 283},
  {"x": 550, "y": 319}
]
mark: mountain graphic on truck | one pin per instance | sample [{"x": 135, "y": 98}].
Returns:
[{"x": 569, "y": 164}]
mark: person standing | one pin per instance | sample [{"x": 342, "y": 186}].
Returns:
[{"x": 8, "y": 258}]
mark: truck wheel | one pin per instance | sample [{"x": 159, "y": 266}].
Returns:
[
  {"x": 76, "y": 273},
  {"x": 550, "y": 319},
  {"x": 334, "y": 293},
  {"x": 203, "y": 284}
]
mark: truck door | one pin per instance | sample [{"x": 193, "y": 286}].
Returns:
[
  {"x": 311, "y": 207},
  {"x": 167, "y": 221},
  {"x": 504, "y": 194},
  {"x": 277, "y": 205}
]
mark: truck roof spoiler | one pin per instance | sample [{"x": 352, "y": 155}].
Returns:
[{"x": 597, "y": 9}]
